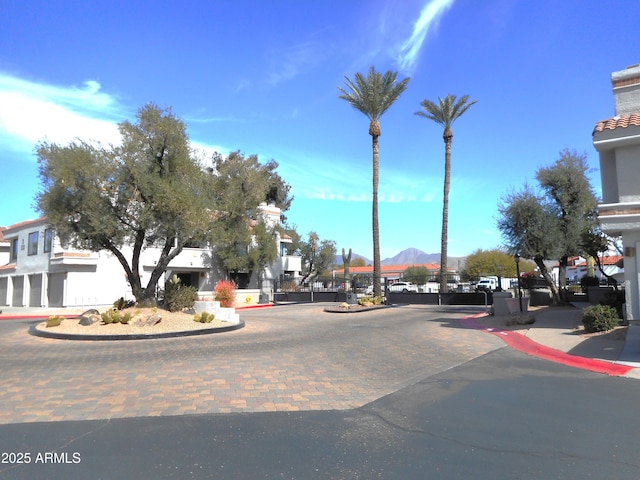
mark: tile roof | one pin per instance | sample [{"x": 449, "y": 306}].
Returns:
[
  {"x": 619, "y": 121},
  {"x": 390, "y": 268}
]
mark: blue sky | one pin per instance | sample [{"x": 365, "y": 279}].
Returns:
[{"x": 262, "y": 77}]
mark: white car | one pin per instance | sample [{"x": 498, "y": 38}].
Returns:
[{"x": 403, "y": 287}]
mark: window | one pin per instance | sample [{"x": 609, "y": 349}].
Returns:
[
  {"x": 48, "y": 239},
  {"x": 33, "y": 243},
  {"x": 14, "y": 249}
]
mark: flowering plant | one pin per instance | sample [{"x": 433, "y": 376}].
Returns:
[{"x": 226, "y": 293}]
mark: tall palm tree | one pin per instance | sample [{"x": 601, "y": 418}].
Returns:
[
  {"x": 445, "y": 112},
  {"x": 373, "y": 95}
]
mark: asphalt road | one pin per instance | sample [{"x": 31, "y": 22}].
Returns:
[{"x": 434, "y": 401}]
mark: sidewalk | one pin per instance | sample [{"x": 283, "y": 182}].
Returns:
[{"x": 560, "y": 330}]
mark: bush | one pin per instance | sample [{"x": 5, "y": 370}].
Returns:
[
  {"x": 599, "y": 318},
  {"x": 370, "y": 301},
  {"x": 177, "y": 297},
  {"x": 226, "y": 293},
  {"x": 365, "y": 301}
]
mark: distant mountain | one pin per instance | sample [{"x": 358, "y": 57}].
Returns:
[{"x": 410, "y": 256}]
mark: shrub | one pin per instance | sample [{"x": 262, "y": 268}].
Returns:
[
  {"x": 177, "y": 297},
  {"x": 204, "y": 317},
  {"x": 226, "y": 293},
  {"x": 365, "y": 301},
  {"x": 599, "y": 318},
  {"x": 54, "y": 320}
]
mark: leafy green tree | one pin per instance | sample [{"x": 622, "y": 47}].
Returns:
[
  {"x": 358, "y": 262},
  {"x": 243, "y": 242},
  {"x": 318, "y": 256},
  {"x": 575, "y": 204},
  {"x": 147, "y": 191},
  {"x": 493, "y": 262},
  {"x": 373, "y": 95},
  {"x": 293, "y": 247},
  {"x": 551, "y": 225},
  {"x": 264, "y": 249},
  {"x": 417, "y": 274},
  {"x": 444, "y": 113}
]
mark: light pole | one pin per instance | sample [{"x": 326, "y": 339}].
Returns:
[{"x": 517, "y": 257}]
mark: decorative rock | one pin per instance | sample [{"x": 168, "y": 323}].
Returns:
[
  {"x": 90, "y": 317},
  {"x": 149, "y": 321}
]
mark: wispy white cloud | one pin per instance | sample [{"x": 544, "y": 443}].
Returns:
[
  {"x": 290, "y": 62},
  {"x": 428, "y": 19},
  {"x": 31, "y": 111}
]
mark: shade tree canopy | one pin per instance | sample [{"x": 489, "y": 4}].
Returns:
[
  {"x": 494, "y": 262},
  {"x": 551, "y": 222},
  {"x": 151, "y": 190}
]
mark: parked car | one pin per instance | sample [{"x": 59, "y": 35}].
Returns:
[
  {"x": 403, "y": 287},
  {"x": 487, "y": 285}
]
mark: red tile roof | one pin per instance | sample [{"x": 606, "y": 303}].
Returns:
[
  {"x": 619, "y": 121},
  {"x": 391, "y": 268}
]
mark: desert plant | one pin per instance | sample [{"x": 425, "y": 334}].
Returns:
[
  {"x": 114, "y": 316},
  {"x": 177, "y": 296},
  {"x": 121, "y": 304},
  {"x": 365, "y": 301},
  {"x": 54, "y": 320},
  {"x": 226, "y": 293},
  {"x": 204, "y": 317},
  {"x": 599, "y": 318}
]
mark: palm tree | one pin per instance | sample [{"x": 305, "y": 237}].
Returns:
[
  {"x": 373, "y": 95},
  {"x": 445, "y": 112}
]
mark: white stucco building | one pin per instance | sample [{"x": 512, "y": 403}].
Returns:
[
  {"x": 617, "y": 141},
  {"x": 39, "y": 272}
]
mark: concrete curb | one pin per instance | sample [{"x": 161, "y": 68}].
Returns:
[
  {"x": 33, "y": 330},
  {"x": 528, "y": 346}
]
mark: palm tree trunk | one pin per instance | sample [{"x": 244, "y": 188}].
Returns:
[
  {"x": 376, "y": 227},
  {"x": 448, "y": 137}
]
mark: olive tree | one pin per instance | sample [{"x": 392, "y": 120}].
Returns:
[
  {"x": 147, "y": 191},
  {"x": 550, "y": 224}
]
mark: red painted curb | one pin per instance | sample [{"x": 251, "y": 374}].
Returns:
[
  {"x": 252, "y": 307},
  {"x": 528, "y": 346}
]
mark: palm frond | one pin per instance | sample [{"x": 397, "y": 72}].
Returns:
[
  {"x": 374, "y": 94},
  {"x": 447, "y": 110}
]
